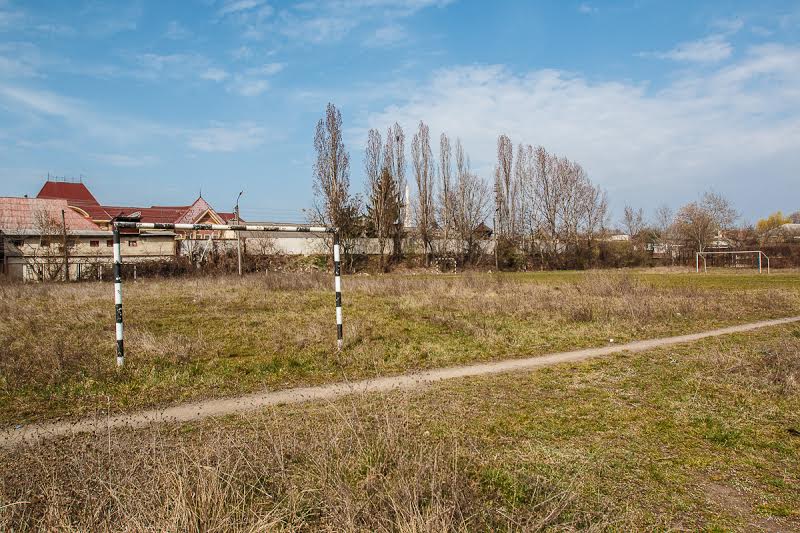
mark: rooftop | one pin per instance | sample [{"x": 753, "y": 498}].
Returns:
[{"x": 22, "y": 214}]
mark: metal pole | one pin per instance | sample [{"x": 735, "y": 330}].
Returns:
[
  {"x": 118, "y": 297},
  {"x": 338, "y": 288},
  {"x": 66, "y": 253},
  {"x": 759, "y": 262},
  {"x": 697, "y": 262},
  {"x": 238, "y": 239}
]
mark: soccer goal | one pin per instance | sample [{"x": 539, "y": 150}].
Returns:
[
  {"x": 118, "y": 225},
  {"x": 761, "y": 256}
]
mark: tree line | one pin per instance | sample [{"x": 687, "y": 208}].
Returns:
[{"x": 544, "y": 208}]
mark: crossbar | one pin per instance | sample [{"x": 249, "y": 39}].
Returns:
[
  {"x": 223, "y": 227},
  {"x": 117, "y": 225}
]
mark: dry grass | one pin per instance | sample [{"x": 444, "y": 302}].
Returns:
[
  {"x": 223, "y": 336},
  {"x": 360, "y": 471},
  {"x": 687, "y": 438}
]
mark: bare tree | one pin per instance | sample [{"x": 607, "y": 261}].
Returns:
[
  {"x": 662, "y": 222},
  {"x": 594, "y": 213},
  {"x": 395, "y": 160},
  {"x": 521, "y": 176},
  {"x": 470, "y": 202},
  {"x": 699, "y": 222},
  {"x": 504, "y": 187},
  {"x": 446, "y": 189},
  {"x": 381, "y": 194},
  {"x": 695, "y": 225},
  {"x": 633, "y": 221},
  {"x": 422, "y": 161},
  {"x": 333, "y": 204},
  {"x": 544, "y": 196},
  {"x": 46, "y": 258},
  {"x": 720, "y": 208}
]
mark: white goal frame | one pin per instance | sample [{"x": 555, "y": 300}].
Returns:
[
  {"x": 761, "y": 256},
  {"x": 119, "y": 224}
]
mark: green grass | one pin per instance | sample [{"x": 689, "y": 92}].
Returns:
[
  {"x": 690, "y": 437},
  {"x": 224, "y": 336}
]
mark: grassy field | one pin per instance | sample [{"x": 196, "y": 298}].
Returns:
[
  {"x": 696, "y": 437},
  {"x": 223, "y": 336}
]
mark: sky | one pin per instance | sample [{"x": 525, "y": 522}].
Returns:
[{"x": 152, "y": 102}]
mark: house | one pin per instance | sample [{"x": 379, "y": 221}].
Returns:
[
  {"x": 83, "y": 202},
  {"x": 32, "y": 240},
  {"x": 35, "y": 233},
  {"x": 785, "y": 233}
]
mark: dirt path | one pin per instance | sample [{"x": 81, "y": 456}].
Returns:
[{"x": 210, "y": 408}]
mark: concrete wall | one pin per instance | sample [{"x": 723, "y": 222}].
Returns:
[{"x": 27, "y": 256}]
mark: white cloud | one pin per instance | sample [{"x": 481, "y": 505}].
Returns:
[
  {"x": 61, "y": 30},
  {"x": 126, "y": 161},
  {"x": 321, "y": 29},
  {"x": 586, "y": 9},
  {"x": 176, "y": 31},
  {"x": 19, "y": 60},
  {"x": 214, "y": 74},
  {"x": 227, "y": 138},
  {"x": 243, "y": 52},
  {"x": 387, "y": 36},
  {"x": 324, "y": 22},
  {"x": 723, "y": 129},
  {"x": 250, "y": 87},
  {"x": 76, "y": 121},
  {"x": 711, "y": 49},
  {"x": 728, "y": 26},
  {"x": 9, "y": 17},
  {"x": 152, "y": 66},
  {"x": 72, "y": 117},
  {"x": 268, "y": 69},
  {"x": 237, "y": 6},
  {"x": 251, "y": 82}
]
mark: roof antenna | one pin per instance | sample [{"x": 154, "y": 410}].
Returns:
[{"x": 201, "y": 191}]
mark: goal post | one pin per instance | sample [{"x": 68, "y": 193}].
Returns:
[
  {"x": 761, "y": 256},
  {"x": 117, "y": 225}
]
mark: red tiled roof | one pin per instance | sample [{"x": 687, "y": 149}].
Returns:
[
  {"x": 158, "y": 214},
  {"x": 67, "y": 191},
  {"x": 77, "y": 195},
  {"x": 24, "y": 214},
  {"x": 228, "y": 217}
]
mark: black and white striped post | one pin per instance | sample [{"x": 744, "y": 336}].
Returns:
[
  {"x": 337, "y": 273},
  {"x": 219, "y": 227},
  {"x": 118, "y": 297}
]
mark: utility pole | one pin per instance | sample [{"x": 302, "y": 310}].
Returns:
[
  {"x": 494, "y": 234},
  {"x": 66, "y": 253},
  {"x": 238, "y": 239}
]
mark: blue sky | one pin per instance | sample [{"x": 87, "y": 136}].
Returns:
[{"x": 151, "y": 101}]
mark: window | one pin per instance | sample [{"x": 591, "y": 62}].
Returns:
[
  {"x": 94, "y": 244},
  {"x": 133, "y": 244},
  {"x": 44, "y": 243},
  {"x": 109, "y": 243},
  {"x": 17, "y": 243}
]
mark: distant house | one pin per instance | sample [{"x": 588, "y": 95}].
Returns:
[
  {"x": 82, "y": 201},
  {"x": 32, "y": 238},
  {"x": 786, "y": 233}
]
